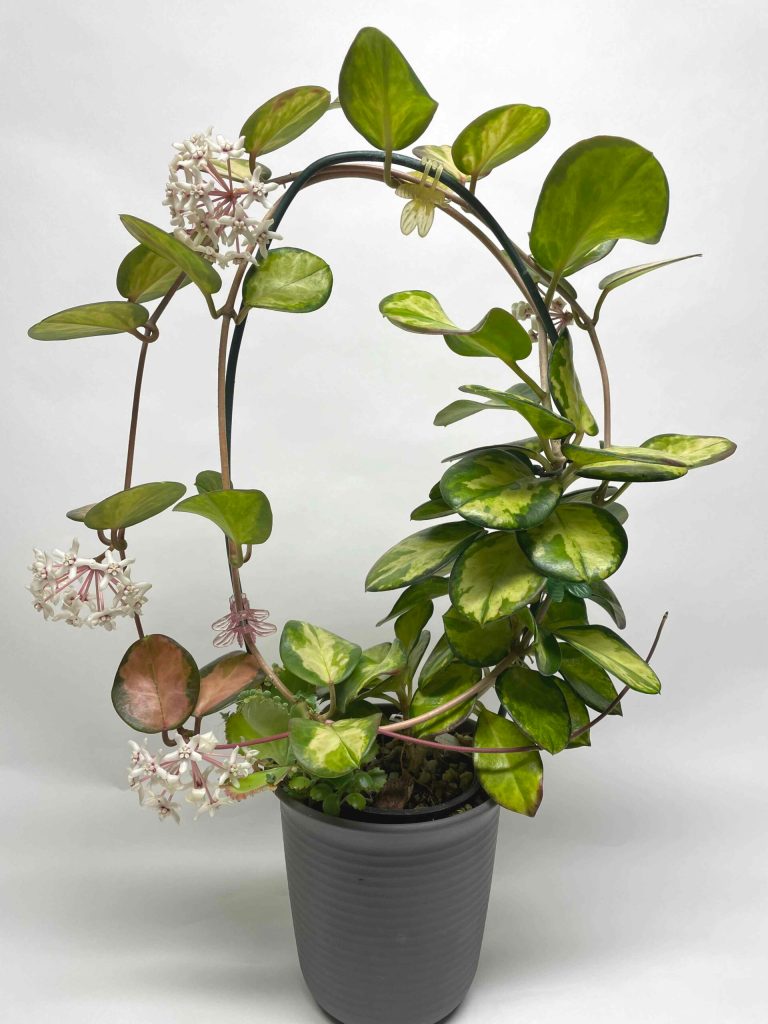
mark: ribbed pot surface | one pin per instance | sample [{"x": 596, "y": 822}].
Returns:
[{"x": 388, "y": 918}]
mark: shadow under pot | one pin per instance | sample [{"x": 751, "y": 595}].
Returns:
[{"x": 389, "y": 913}]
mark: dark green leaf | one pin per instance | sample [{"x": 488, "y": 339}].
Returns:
[
  {"x": 499, "y": 335},
  {"x": 592, "y": 684},
  {"x": 126, "y": 508},
  {"x": 289, "y": 281},
  {"x": 569, "y": 611},
  {"x": 619, "y": 277},
  {"x": 88, "y": 321},
  {"x": 547, "y": 652},
  {"x": 442, "y": 686},
  {"x": 440, "y": 656},
  {"x": 537, "y": 705},
  {"x": 545, "y": 423},
  {"x": 602, "y": 595},
  {"x": 602, "y": 646},
  {"x": 208, "y": 480},
  {"x": 584, "y": 497},
  {"x": 635, "y": 465},
  {"x": 577, "y": 711},
  {"x": 409, "y": 625},
  {"x": 418, "y": 593},
  {"x": 431, "y": 510},
  {"x": 479, "y": 645},
  {"x": 380, "y": 94}
]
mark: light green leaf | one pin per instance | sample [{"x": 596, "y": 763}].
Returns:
[
  {"x": 284, "y": 118},
  {"x": 442, "y": 686},
  {"x": 577, "y": 543},
  {"x": 566, "y": 389},
  {"x": 493, "y": 578},
  {"x": 245, "y": 516},
  {"x": 77, "y": 515},
  {"x": 418, "y": 593},
  {"x": 592, "y": 683},
  {"x": 143, "y": 275},
  {"x": 619, "y": 277},
  {"x": 499, "y": 334},
  {"x": 571, "y": 611},
  {"x": 315, "y": 655},
  {"x": 440, "y": 656},
  {"x": 239, "y": 789},
  {"x": 577, "y": 711},
  {"x": 208, "y": 480},
  {"x": 537, "y": 705},
  {"x": 692, "y": 450},
  {"x": 545, "y": 423},
  {"x": 289, "y": 281},
  {"x": 262, "y": 714},
  {"x": 420, "y": 555},
  {"x": 498, "y": 489},
  {"x": 180, "y": 255},
  {"x": 514, "y": 781},
  {"x": 90, "y": 320},
  {"x": 126, "y": 508},
  {"x": 383, "y": 660},
  {"x": 409, "y": 626},
  {"x": 416, "y": 311},
  {"x": 380, "y": 94},
  {"x": 602, "y": 595},
  {"x": 460, "y": 409},
  {"x": 602, "y": 646},
  {"x": 600, "y": 189},
  {"x": 479, "y": 645},
  {"x": 635, "y": 465},
  {"x": 497, "y": 136},
  {"x": 332, "y": 750}
]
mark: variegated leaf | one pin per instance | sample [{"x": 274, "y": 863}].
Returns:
[
  {"x": 690, "y": 449},
  {"x": 479, "y": 645},
  {"x": 566, "y": 389},
  {"x": 592, "y": 683},
  {"x": 418, "y": 593},
  {"x": 157, "y": 684},
  {"x": 442, "y": 686},
  {"x": 316, "y": 655},
  {"x": 635, "y": 465},
  {"x": 602, "y": 646},
  {"x": 223, "y": 679},
  {"x": 497, "y": 136},
  {"x": 537, "y": 705},
  {"x": 493, "y": 578},
  {"x": 576, "y": 543},
  {"x": 546, "y": 424},
  {"x": 420, "y": 555},
  {"x": 382, "y": 660},
  {"x": 514, "y": 781},
  {"x": 498, "y": 489},
  {"x": 331, "y": 750},
  {"x": 262, "y": 714}
]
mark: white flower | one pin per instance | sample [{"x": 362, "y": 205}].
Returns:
[
  {"x": 425, "y": 195},
  {"x": 208, "y": 200},
  {"x": 234, "y": 770},
  {"x": 85, "y": 591}
]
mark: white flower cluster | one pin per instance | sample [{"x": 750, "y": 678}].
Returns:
[
  {"x": 210, "y": 192},
  {"x": 561, "y": 315},
  {"x": 85, "y": 591},
  {"x": 192, "y": 767}
]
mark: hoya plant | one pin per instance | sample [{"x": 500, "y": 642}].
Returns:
[{"x": 521, "y": 534}]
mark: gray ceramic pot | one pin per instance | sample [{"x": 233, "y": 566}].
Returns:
[{"x": 389, "y": 916}]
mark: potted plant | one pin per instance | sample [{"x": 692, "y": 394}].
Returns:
[{"x": 389, "y": 766}]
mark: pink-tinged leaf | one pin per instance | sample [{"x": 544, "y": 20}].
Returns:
[
  {"x": 224, "y": 679},
  {"x": 157, "y": 684}
]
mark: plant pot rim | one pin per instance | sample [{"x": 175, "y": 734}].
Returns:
[{"x": 399, "y": 821}]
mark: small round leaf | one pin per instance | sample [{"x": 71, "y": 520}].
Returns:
[
  {"x": 156, "y": 685},
  {"x": 493, "y": 578},
  {"x": 289, "y": 281},
  {"x": 497, "y": 136},
  {"x": 284, "y": 118},
  {"x": 576, "y": 543}
]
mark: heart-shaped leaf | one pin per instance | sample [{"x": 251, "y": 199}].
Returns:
[
  {"x": 451, "y": 681},
  {"x": 493, "y": 578},
  {"x": 545, "y": 423},
  {"x": 420, "y": 555},
  {"x": 537, "y": 705},
  {"x": 332, "y": 750},
  {"x": 592, "y": 683},
  {"x": 245, "y": 516},
  {"x": 262, "y": 714},
  {"x": 602, "y": 646},
  {"x": 223, "y": 679},
  {"x": 577, "y": 542},
  {"x": 90, "y": 320},
  {"x": 514, "y": 781},
  {"x": 498, "y": 135},
  {"x": 418, "y": 593},
  {"x": 289, "y": 281},
  {"x": 156, "y": 685},
  {"x": 381, "y": 661},
  {"x": 315, "y": 655},
  {"x": 479, "y": 645},
  {"x": 692, "y": 450},
  {"x": 126, "y": 508},
  {"x": 497, "y": 489},
  {"x": 599, "y": 190},
  {"x": 380, "y": 94},
  {"x": 284, "y": 118},
  {"x": 170, "y": 248},
  {"x": 143, "y": 275},
  {"x": 566, "y": 389}
]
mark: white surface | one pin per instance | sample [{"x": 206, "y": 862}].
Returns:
[{"x": 639, "y": 892}]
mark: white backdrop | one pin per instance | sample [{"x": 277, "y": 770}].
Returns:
[{"x": 638, "y": 893}]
